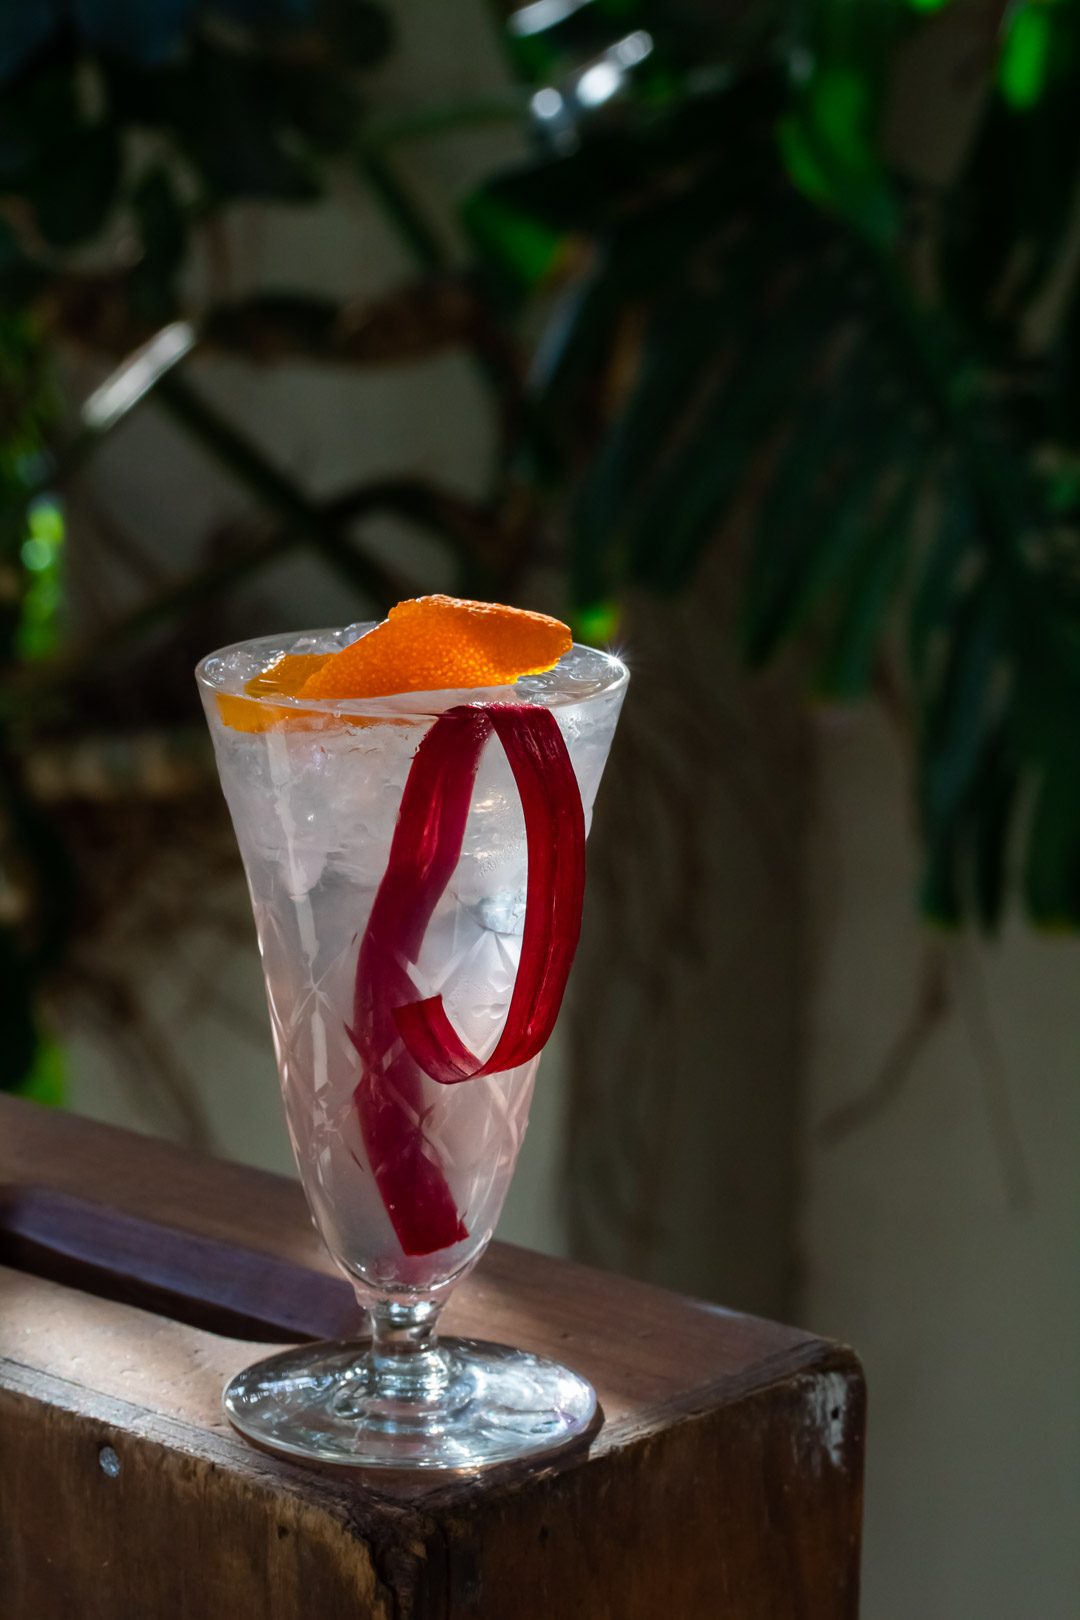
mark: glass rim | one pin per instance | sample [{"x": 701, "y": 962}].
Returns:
[{"x": 400, "y": 705}]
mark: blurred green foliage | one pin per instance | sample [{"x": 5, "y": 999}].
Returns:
[
  {"x": 758, "y": 328},
  {"x": 873, "y": 375}
]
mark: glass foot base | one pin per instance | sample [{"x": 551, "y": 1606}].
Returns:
[{"x": 487, "y": 1404}]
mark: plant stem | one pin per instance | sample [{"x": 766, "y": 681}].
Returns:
[
  {"x": 492, "y": 347},
  {"x": 465, "y": 526},
  {"x": 1002, "y": 520},
  {"x": 402, "y": 211},
  {"x": 448, "y": 117},
  {"x": 412, "y": 499},
  {"x": 258, "y": 473}
]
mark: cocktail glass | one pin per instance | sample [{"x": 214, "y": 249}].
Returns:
[{"x": 405, "y": 857}]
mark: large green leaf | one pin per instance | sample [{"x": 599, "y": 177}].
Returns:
[
  {"x": 679, "y": 346},
  {"x": 716, "y": 434},
  {"x": 1009, "y": 213},
  {"x": 576, "y": 343},
  {"x": 823, "y": 496},
  {"x": 46, "y": 1080},
  {"x": 847, "y": 666},
  {"x": 519, "y": 248},
  {"x": 655, "y": 267},
  {"x": 950, "y": 548},
  {"x": 960, "y": 710}
]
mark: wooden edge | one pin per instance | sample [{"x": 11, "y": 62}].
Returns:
[
  {"x": 402, "y": 1518},
  {"x": 100, "y": 1350},
  {"x": 653, "y": 1356},
  {"x": 204, "y": 1282}
]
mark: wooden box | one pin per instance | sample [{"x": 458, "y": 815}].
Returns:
[{"x": 135, "y": 1279}]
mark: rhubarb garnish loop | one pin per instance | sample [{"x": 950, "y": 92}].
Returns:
[{"x": 400, "y": 1038}]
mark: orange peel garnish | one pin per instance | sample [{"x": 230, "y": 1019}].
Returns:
[
  {"x": 428, "y": 644},
  {"x": 442, "y": 643},
  {"x": 283, "y": 679}
]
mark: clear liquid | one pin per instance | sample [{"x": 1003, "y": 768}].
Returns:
[{"x": 314, "y": 813}]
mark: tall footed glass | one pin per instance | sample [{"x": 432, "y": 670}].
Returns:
[{"x": 415, "y": 865}]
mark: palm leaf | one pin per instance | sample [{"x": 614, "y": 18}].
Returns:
[
  {"x": 680, "y": 347},
  {"x": 847, "y": 667},
  {"x": 930, "y": 611},
  {"x": 822, "y": 499},
  {"x": 712, "y": 444}
]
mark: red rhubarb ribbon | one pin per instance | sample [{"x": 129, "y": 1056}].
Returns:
[{"x": 398, "y": 1038}]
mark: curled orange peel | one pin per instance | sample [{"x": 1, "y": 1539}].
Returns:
[
  {"x": 438, "y": 644},
  {"x": 428, "y": 644},
  {"x": 283, "y": 679}
]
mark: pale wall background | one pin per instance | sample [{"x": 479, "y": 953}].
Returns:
[
  {"x": 965, "y": 1310},
  {"x": 900, "y": 1238}
]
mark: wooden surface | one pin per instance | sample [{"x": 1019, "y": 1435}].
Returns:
[{"x": 135, "y": 1279}]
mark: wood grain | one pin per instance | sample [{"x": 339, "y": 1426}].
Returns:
[{"x": 725, "y": 1480}]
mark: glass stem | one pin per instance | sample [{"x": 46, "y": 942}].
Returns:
[{"x": 405, "y": 1361}]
